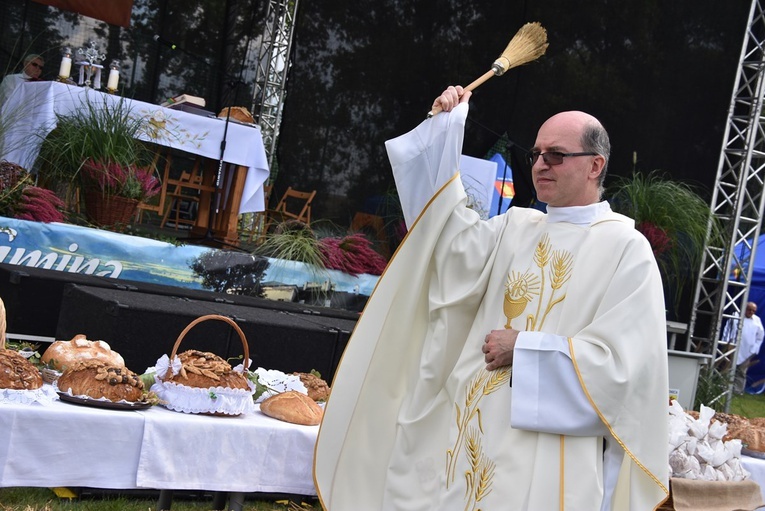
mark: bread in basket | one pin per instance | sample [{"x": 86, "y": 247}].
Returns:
[
  {"x": 202, "y": 382},
  {"x": 20, "y": 380}
]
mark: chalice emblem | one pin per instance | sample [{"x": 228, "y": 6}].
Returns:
[{"x": 520, "y": 289}]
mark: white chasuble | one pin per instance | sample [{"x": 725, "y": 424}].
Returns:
[{"x": 416, "y": 423}]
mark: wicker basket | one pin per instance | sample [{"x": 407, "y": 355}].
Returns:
[
  {"x": 109, "y": 210},
  {"x": 45, "y": 395},
  {"x": 210, "y": 401}
]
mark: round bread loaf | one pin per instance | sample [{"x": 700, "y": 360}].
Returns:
[
  {"x": 238, "y": 113},
  {"x": 18, "y": 373},
  {"x": 293, "y": 406},
  {"x": 96, "y": 379},
  {"x": 63, "y": 354},
  {"x": 203, "y": 369}
]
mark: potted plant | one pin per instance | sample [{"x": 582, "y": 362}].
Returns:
[
  {"x": 675, "y": 220},
  {"x": 97, "y": 151},
  {"x": 112, "y": 191}
]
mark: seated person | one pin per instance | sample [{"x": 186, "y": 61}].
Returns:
[{"x": 33, "y": 66}]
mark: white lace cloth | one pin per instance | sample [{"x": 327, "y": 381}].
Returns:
[
  {"x": 45, "y": 395},
  {"x": 182, "y": 398},
  {"x": 278, "y": 382}
]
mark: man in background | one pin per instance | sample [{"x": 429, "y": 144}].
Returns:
[
  {"x": 33, "y": 66},
  {"x": 752, "y": 333}
]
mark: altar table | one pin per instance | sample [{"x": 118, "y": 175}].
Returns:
[
  {"x": 30, "y": 112},
  {"x": 65, "y": 444}
]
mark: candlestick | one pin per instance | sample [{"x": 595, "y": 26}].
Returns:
[
  {"x": 65, "y": 69},
  {"x": 114, "y": 77}
]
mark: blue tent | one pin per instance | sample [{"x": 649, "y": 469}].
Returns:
[{"x": 756, "y": 374}]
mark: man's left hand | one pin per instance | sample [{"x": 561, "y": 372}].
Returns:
[{"x": 498, "y": 348}]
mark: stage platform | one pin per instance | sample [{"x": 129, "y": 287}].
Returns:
[{"x": 137, "y": 294}]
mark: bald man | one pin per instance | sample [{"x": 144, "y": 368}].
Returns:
[{"x": 516, "y": 363}]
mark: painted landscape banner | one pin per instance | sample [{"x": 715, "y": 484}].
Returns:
[{"x": 83, "y": 250}]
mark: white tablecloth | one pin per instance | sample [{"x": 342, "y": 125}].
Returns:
[
  {"x": 250, "y": 453},
  {"x": 756, "y": 468},
  {"x": 66, "y": 444},
  {"x": 30, "y": 113}
]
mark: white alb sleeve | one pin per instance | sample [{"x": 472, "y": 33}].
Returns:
[{"x": 547, "y": 395}]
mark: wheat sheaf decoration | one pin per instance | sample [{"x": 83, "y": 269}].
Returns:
[{"x": 527, "y": 45}]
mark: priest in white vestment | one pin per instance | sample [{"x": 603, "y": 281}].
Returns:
[{"x": 513, "y": 364}]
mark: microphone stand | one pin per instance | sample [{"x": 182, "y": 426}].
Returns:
[{"x": 214, "y": 209}]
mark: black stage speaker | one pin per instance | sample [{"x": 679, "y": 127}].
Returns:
[
  {"x": 33, "y": 297},
  {"x": 144, "y": 326}
]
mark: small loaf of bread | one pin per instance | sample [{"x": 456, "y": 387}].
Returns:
[
  {"x": 318, "y": 390},
  {"x": 18, "y": 373},
  {"x": 293, "y": 406},
  {"x": 753, "y": 438},
  {"x": 63, "y": 354},
  {"x": 98, "y": 380},
  {"x": 238, "y": 113}
]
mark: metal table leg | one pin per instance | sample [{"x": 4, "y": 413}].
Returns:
[{"x": 165, "y": 500}]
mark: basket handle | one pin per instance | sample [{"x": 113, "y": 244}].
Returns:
[
  {"x": 3, "y": 324},
  {"x": 220, "y": 318}
]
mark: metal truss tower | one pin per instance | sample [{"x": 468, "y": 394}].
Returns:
[
  {"x": 737, "y": 210},
  {"x": 271, "y": 77}
]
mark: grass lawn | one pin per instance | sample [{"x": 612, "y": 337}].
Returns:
[
  {"x": 748, "y": 405},
  {"x": 44, "y": 499}
]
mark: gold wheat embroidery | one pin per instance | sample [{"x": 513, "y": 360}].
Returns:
[
  {"x": 560, "y": 272},
  {"x": 483, "y": 384},
  {"x": 542, "y": 259},
  {"x": 520, "y": 290},
  {"x": 480, "y": 476}
]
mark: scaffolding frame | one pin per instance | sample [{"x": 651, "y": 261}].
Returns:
[
  {"x": 272, "y": 70},
  {"x": 725, "y": 275}
]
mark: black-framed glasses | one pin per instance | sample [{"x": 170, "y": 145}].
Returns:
[
  {"x": 553, "y": 157},
  {"x": 38, "y": 66}
]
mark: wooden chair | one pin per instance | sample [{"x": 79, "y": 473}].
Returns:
[
  {"x": 294, "y": 205},
  {"x": 184, "y": 198},
  {"x": 157, "y": 204}
]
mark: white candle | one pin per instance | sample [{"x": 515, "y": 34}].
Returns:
[
  {"x": 114, "y": 77},
  {"x": 65, "y": 68}
]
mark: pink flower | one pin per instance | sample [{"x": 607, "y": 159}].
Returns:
[
  {"x": 352, "y": 254},
  {"x": 656, "y": 236},
  {"x": 128, "y": 181},
  {"x": 39, "y": 205}
]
